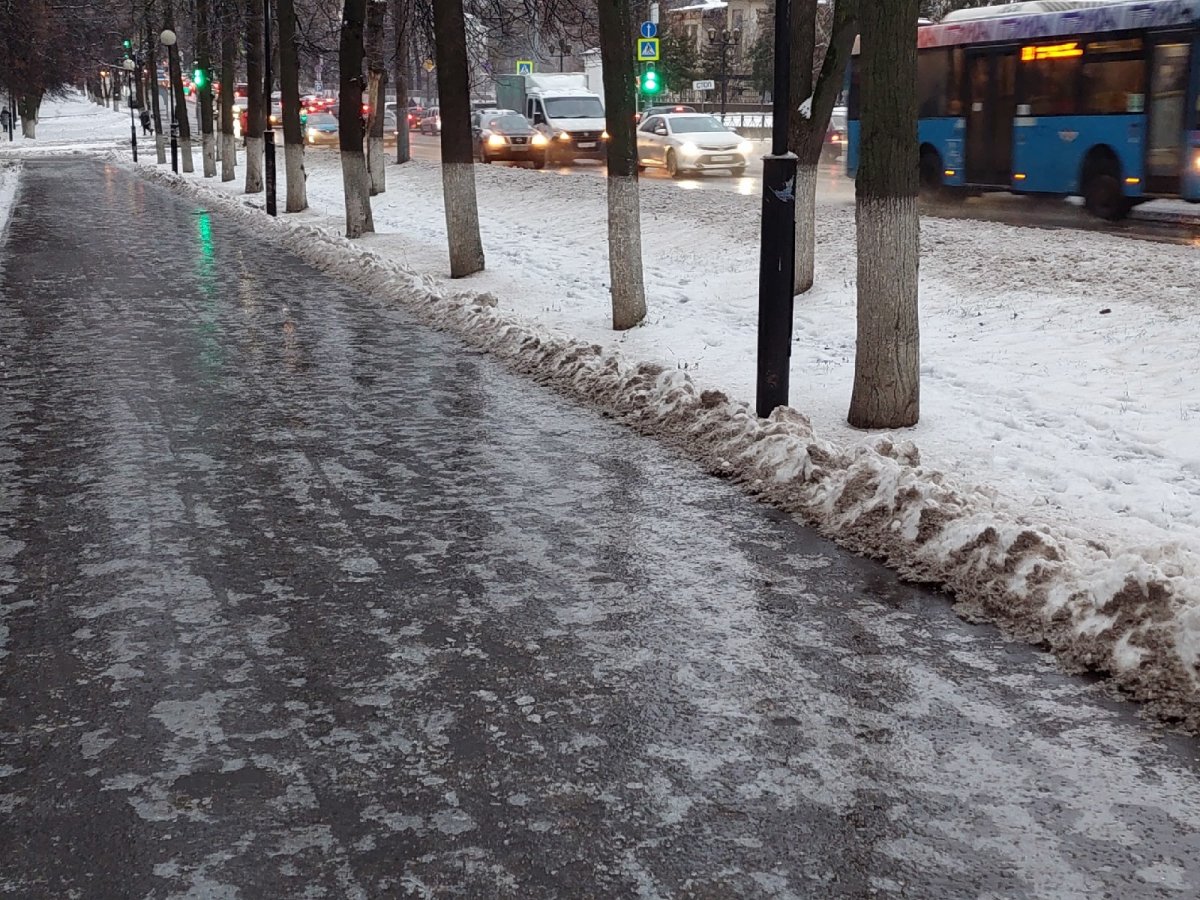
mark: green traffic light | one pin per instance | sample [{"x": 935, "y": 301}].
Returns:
[
  {"x": 200, "y": 79},
  {"x": 650, "y": 83},
  {"x": 128, "y": 44}
]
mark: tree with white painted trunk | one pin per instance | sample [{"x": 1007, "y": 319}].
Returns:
[
  {"x": 204, "y": 91},
  {"x": 401, "y": 13},
  {"x": 356, "y": 184},
  {"x": 289, "y": 98},
  {"x": 887, "y": 386},
  {"x": 376, "y": 83},
  {"x": 815, "y": 88},
  {"x": 458, "y": 151},
  {"x": 255, "y": 115},
  {"x": 627, "y": 287},
  {"x": 160, "y": 141},
  {"x": 230, "y": 22},
  {"x": 175, "y": 76}
]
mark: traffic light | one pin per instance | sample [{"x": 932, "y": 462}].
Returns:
[
  {"x": 199, "y": 78},
  {"x": 127, "y": 44},
  {"x": 651, "y": 84}
]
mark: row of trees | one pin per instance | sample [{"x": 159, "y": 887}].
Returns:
[{"x": 886, "y": 390}]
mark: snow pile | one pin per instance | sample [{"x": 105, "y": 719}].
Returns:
[
  {"x": 1134, "y": 613},
  {"x": 10, "y": 179}
]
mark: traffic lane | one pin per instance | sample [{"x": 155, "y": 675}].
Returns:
[{"x": 303, "y": 596}]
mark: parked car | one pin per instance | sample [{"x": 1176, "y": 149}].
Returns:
[
  {"x": 415, "y": 115},
  {"x": 321, "y": 130},
  {"x": 691, "y": 142},
  {"x": 431, "y": 122},
  {"x": 835, "y": 134},
  {"x": 508, "y": 137}
]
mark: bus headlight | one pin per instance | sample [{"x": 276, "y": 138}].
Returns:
[
  {"x": 1196, "y": 160},
  {"x": 564, "y": 136}
]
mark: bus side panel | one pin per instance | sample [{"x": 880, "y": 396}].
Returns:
[
  {"x": 1189, "y": 187},
  {"x": 1049, "y": 150},
  {"x": 946, "y": 136},
  {"x": 853, "y": 131}
]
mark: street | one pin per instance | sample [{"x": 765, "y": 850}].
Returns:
[{"x": 300, "y": 598}]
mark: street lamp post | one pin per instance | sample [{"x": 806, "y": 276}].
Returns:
[
  {"x": 268, "y": 131},
  {"x": 129, "y": 65},
  {"x": 778, "y": 260},
  {"x": 725, "y": 40},
  {"x": 168, "y": 41}
]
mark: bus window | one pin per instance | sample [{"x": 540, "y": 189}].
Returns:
[
  {"x": 1049, "y": 85},
  {"x": 1114, "y": 77},
  {"x": 933, "y": 73}
]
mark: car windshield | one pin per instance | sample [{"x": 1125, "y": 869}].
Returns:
[
  {"x": 509, "y": 123},
  {"x": 695, "y": 125},
  {"x": 574, "y": 108},
  {"x": 321, "y": 119}
]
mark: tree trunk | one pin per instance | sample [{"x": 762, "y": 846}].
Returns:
[
  {"x": 355, "y": 181},
  {"x": 376, "y": 81},
  {"x": 458, "y": 152},
  {"x": 204, "y": 95},
  {"x": 289, "y": 93},
  {"x": 400, "y": 14},
  {"x": 624, "y": 212},
  {"x": 229, "y": 33},
  {"x": 887, "y": 355},
  {"x": 27, "y": 108},
  {"x": 807, "y": 134},
  {"x": 254, "y": 97},
  {"x": 160, "y": 144},
  {"x": 175, "y": 76}
]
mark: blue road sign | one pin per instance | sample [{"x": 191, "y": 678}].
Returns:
[{"x": 649, "y": 30}]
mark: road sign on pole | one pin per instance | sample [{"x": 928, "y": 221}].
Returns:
[
  {"x": 647, "y": 50},
  {"x": 706, "y": 84},
  {"x": 649, "y": 30},
  {"x": 524, "y": 66}
]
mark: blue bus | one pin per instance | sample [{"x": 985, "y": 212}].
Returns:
[{"x": 1092, "y": 98}]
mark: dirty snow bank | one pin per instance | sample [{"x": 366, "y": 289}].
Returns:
[
  {"x": 10, "y": 179},
  {"x": 1135, "y": 615}
]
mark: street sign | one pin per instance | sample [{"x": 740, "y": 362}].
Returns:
[
  {"x": 524, "y": 66},
  {"x": 649, "y": 30},
  {"x": 647, "y": 50},
  {"x": 429, "y": 66},
  {"x": 704, "y": 85}
]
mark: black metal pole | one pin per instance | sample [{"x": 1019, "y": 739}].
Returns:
[
  {"x": 725, "y": 73},
  {"x": 174, "y": 117},
  {"x": 268, "y": 131},
  {"x": 132, "y": 124},
  {"x": 777, "y": 265}
]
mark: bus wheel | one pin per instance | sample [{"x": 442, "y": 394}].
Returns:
[{"x": 1104, "y": 198}]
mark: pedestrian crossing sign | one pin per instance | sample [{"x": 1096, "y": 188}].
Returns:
[
  {"x": 524, "y": 66},
  {"x": 647, "y": 50}
]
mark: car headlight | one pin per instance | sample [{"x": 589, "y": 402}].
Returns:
[
  {"x": 1196, "y": 161},
  {"x": 563, "y": 136},
  {"x": 604, "y": 136},
  {"x": 313, "y": 133},
  {"x": 687, "y": 148},
  {"x": 495, "y": 140},
  {"x": 745, "y": 148},
  {"x": 539, "y": 140}
]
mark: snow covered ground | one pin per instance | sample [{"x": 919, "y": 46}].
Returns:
[
  {"x": 75, "y": 124},
  {"x": 1058, "y": 455}
]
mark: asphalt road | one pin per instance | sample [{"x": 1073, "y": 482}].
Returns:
[
  {"x": 298, "y": 598},
  {"x": 1173, "y": 222}
]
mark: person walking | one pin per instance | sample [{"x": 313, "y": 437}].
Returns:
[{"x": 144, "y": 115}]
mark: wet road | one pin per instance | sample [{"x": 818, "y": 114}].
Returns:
[
  {"x": 1173, "y": 223},
  {"x": 298, "y": 598}
]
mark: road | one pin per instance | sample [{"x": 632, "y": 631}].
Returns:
[
  {"x": 1172, "y": 222},
  {"x": 302, "y": 599}
]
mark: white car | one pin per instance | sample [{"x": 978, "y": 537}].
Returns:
[{"x": 691, "y": 142}]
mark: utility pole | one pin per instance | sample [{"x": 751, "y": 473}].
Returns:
[{"x": 777, "y": 263}]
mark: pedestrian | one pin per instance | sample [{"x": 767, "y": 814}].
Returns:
[
  {"x": 144, "y": 115},
  {"x": 5, "y": 119}
]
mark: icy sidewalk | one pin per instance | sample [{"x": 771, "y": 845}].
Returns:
[{"x": 979, "y": 512}]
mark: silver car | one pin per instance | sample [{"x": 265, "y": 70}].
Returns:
[{"x": 691, "y": 142}]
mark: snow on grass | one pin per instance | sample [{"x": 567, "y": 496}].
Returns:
[
  {"x": 1055, "y": 486},
  {"x": 74, "y": 124}
]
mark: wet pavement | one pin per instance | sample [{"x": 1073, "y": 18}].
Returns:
[{"x": 298, "y": 598}]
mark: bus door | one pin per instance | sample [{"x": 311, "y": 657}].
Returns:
[
  {"x": 991, "y": 105},
  {"x": 1168, "y": 112}
]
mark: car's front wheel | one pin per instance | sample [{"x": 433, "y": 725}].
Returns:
[
  {"x": 738, "y": 171},
  {"x": 673, "y": 164}
]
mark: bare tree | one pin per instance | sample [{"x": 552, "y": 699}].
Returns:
[
  {"x": 355, "y": 181},
  {"x": 627, "y": 287},
  {"x": 229, "y": 31},
  {"x": 175, "y": 77},
  {"x": 289, "y": 100},
  {"x": 458, "y": 153},
  {"x": 256, "y": 116},
  {"x": 204, "y": 91},
  {"x": 887, "y": 385},
  {"x": 401, "y": 13},
  {"x": 152, "y": 40},
  {"x": 376, "y": 82}
]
